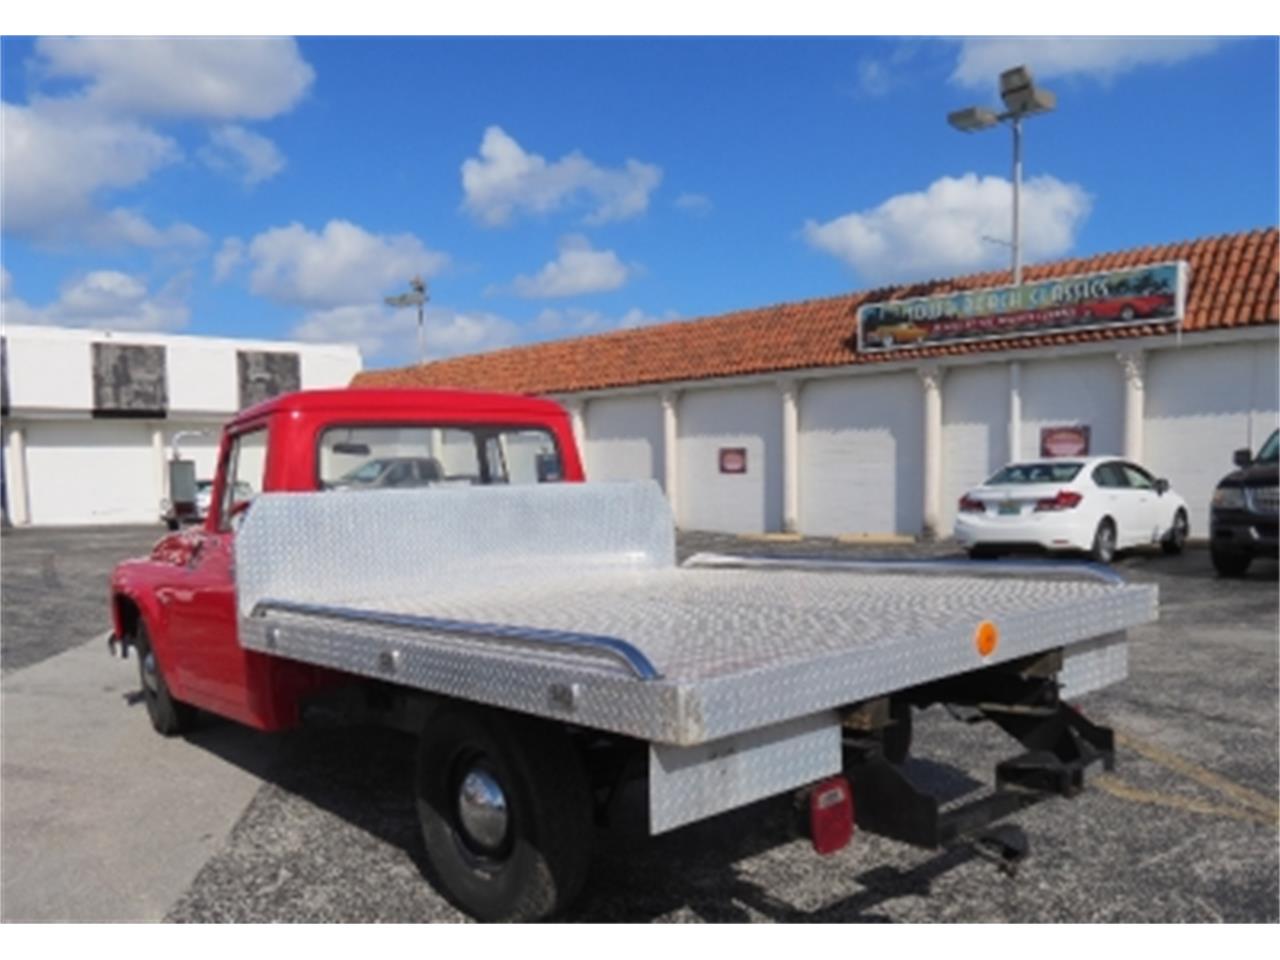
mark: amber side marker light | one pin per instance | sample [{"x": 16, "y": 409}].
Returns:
[{"x": 986, "y": 638}]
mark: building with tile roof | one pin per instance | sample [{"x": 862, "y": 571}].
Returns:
[{"x": 823, "y": 436}]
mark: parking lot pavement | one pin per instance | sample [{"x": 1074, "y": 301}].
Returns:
[
  {"x": 53, "y": 586},
  {"x": 1185, "y": 829}
]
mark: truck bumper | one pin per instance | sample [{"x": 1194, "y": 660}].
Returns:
[{"x": 1243, "y": 533}]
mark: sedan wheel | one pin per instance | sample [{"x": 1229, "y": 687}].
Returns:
[
  {"x": 1176, "y": 538},
  {"x": 1104, "y": 543}
]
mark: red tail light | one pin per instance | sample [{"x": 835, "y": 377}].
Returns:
[
  {"x": 969, "y": 505},
  {"x": 1065, "y": 500},
  {"x": 831, "y": 815}
]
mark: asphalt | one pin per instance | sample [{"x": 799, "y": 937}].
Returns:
[{"x": 317, "y": 826}]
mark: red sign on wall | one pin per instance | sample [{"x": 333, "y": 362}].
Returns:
[
  {"x": 733, "y": 459},
  {"x": 1064, "y": 441}
]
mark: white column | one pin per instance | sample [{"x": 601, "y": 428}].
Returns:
[
  {"x": 15, "y": 464},
  {"x": 162, "y": 468},
  {"x": 790, "y": 391},
  {"x": 931, "y": 378},
  {"x": 670, "y": 445},
  {"x": 1134, "y": 364},
  {"x": 575, "y": 408},
  {"x": 1015, "y": 412}
]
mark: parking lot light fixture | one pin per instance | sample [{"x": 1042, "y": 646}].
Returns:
[{"x": 1022, "y": 98}]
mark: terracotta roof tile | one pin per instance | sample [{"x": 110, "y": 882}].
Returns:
[{"x": 1234, "y": 283}]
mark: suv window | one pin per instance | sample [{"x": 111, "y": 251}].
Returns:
[
  {"x": 245, "y": 473},
  {"x": 374, "y": 458}
]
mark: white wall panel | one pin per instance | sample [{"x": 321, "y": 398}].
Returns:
[
  {"x": 321, "y": 368},
  {"x": 748, "y": 417},
  {"x": 1076, "y": 390},
  {"x": 52, "y": 373},
  {"x": 202, "y": 378},
  {"x": 975, "y": 431},
  {"x": 862, "y": 455},
  {"x": 1203, "y": 403},
  {"x": 624, "y": 438},
  {"x": 92, "y": 471}
]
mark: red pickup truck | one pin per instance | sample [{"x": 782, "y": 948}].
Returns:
[{"x": 429, "y": 560}]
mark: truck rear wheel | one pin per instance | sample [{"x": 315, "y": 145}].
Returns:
[
  {"x": 506, "y": 813},
  {"x": 168, "y": 716}
]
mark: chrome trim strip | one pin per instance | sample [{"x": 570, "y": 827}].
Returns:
[
  {"x": 1004, "y": 568},
  {"x": 611, "y": 647}
]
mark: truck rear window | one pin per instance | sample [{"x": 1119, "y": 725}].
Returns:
[{"x": 379, "y": 458}]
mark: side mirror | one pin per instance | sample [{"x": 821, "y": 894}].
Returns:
[
  {"x": 1162, "y": 487},
  {"x": 1243, "y": 458}
]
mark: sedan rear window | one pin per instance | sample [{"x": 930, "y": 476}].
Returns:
[{"x": 1037, "y": 473}]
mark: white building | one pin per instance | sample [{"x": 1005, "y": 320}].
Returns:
[
  {"x": 91, "y": 416},
  {"x": 779, "y": 419}
]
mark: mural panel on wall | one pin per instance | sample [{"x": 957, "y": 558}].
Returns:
[
  {"x": 129, "y": 380},
  {"x": 265, "y": 375}
]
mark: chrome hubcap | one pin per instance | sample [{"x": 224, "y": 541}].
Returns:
[
  {"x": 482, "y": 809},
  {"x": 149, "y": 672}
]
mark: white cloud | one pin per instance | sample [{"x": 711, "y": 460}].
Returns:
[
  {"x": 342, "y": 265},
  {"x": 229, "y": 256},
  {"x": 939, "y": 231},
  {"x": 874, "y": 78},
  {"x": 982, "y": 60},
  {"x": 248, "y": 156},
  {"x": 386, "y": 336},
  {"x": 65, "y": 154},
  {"x": 578, "y": 270},
  {"x": 205, "y": 78},
  {"x": 697, "y": 204},
  {"x": 106, "y": 299},
  {"x": 505, "y": 180},
  {"x": 575, "y": 321}
]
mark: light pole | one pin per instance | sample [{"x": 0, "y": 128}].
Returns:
[
  {"x": 416, "y": 297},
  {"x": 1022, "y": 98}
]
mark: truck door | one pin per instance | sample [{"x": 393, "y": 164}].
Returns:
[{"x": 203, "y": 612}]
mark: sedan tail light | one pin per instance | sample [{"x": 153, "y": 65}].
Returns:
[
  {"x": 970, "y": 505},
  {"x": 1065, "y": 500}
]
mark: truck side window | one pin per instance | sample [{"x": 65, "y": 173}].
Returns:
[{"x": 245, "y": 473}]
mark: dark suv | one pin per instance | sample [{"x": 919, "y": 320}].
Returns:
[{"x": 1242, "y": 519}]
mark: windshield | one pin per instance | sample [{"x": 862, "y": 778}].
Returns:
[
  {"x": 1270, "y": 452},
  {"x": 1036, "y": 473}
]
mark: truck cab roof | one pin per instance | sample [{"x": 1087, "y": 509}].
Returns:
[{"x": 379, "y": 401}]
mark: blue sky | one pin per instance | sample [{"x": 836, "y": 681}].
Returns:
[{"x": 553, "y": 187}]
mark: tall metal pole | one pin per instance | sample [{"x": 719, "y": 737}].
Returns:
[
  {"x": 1017, "y": 200},
  {"x": 422, "y": 349}
]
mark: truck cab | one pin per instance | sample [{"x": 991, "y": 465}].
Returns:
[
  {"x": 1243, "y": 515},
  {"x": 177, "y": 606}
]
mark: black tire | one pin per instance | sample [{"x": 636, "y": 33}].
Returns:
[
  {"x": 1230, "y": 564},
  {"x": 1176, "y": 538},
  {"x": 1127, "y": 313},
  {"x": 540, "y": 863},
  {"x": 171, "y": 523},
  {"x": 169, "y": 717},
  {"x": 1104, "y": 542},
  {"x": 982, "y": 553}
]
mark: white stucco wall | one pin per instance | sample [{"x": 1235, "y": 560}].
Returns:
[
  {"x": 1074, "y": 390},
  {"x": 624, "y": 438},
  {"x": 862, "y": 455},
  {"x": 748, "y": 417},
  {"x": 90, "y": 472},
  {"x": 1203, "y": 403},
  {"x": 975, "y": 431}
]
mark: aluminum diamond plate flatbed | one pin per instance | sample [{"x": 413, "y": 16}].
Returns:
[{"x": 565, "y": 601}]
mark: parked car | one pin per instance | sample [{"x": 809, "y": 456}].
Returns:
[
  {"x": 177, "y": 514},
  {"x": 1242, "y": 517},
  {"x": 1095, "y": 504},
  {"x": 392, "y": 472}
]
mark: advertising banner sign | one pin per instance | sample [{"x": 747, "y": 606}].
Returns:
[{"x": 1115, "y": 298}]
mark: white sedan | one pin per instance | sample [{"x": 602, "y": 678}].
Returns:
[{"x": 1095, "y": 504}]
